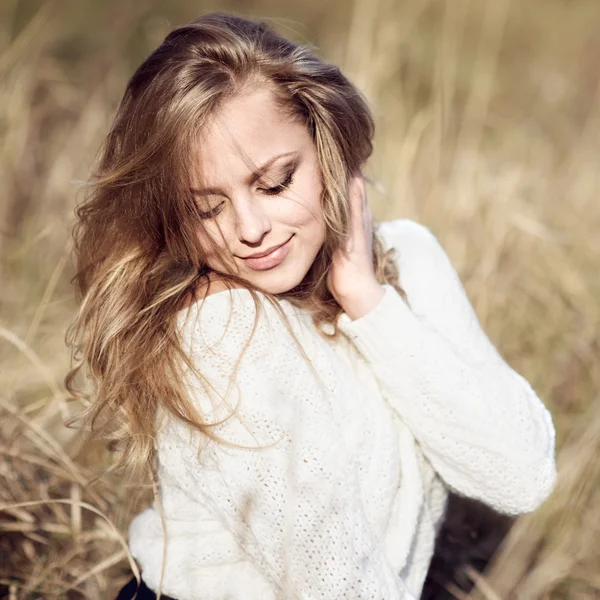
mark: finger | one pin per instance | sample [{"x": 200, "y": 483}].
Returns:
[
  {"x": 356, "y": 205},
  {"x": 365, "y": 209},
  {"x": 357, "y": 197}
]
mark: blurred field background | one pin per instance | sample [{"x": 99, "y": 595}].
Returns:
[{"x": 488, "y": 119}]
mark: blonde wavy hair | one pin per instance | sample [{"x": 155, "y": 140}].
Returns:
[{"x": 136, "y": 246}]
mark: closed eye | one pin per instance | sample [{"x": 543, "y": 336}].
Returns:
[
  {"x": 278, "y": 189},
  {"x": 270, "y": 191},
  {"x": 213, "y": 212}
]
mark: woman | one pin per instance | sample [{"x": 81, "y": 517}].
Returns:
[{"x": 306, "y": 386}]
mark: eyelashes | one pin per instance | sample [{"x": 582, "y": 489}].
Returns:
[
  {"x": 212, "y": 213},
  {"x": 270, "y": 191},
  {"x": 278, "y": 189}
]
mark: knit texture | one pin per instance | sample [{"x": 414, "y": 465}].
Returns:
[{"x": 331, "y": 479}]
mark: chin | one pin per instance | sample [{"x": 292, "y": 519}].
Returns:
[{"x": 277, "y": 281}]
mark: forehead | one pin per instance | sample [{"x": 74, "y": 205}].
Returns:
[{"x": 248, "y": 130}]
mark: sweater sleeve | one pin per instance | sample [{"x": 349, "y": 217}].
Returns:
[
  {"x": 479, "y": 422},
  {"x": 280, "y": 476}
]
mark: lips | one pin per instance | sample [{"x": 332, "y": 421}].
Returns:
[
  {"x": 270, "y": 260},
  {"x": 266, "y": 252}
]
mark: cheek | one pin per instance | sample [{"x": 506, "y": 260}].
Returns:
[
  {"x": 307, "y": 205},
  {"x": 211, "y": 241}
]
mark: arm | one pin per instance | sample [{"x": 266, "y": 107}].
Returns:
[
  {"x": 479, "y": 422},
  {"x": 294, "y": 505}
]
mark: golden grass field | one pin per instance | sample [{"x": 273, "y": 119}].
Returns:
[{"x": 488, "y": 119}]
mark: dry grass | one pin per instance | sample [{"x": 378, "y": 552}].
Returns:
[{"x": 489, "y": 133}]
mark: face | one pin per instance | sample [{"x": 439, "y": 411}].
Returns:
[{"x": 259, "y": 183}]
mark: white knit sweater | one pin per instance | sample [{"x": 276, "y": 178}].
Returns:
[{"x": 341, "y": 483}]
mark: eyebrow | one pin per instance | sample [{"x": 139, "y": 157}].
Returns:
[{"x": 251, "y": 179}]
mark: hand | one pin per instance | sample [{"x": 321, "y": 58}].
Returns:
[{"x": 351, "y": 278}]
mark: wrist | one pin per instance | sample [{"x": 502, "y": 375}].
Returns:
[{"x": 363, "y": 301}]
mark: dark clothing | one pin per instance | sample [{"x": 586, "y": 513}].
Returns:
[{"x": 128, "y": 592}]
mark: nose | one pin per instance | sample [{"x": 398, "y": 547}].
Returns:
[{"x": 252, "y": 221}]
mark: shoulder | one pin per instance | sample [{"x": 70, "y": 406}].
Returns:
[
  {"x": 421, "y": 258},
  {"x": 411, "y": 239},
  {"x": 431, "y": 282}
]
